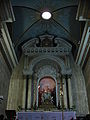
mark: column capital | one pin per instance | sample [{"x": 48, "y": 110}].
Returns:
[
  {"x": 69, "y": 76},
  {"x": 66, "y": 75},
  {"x": 63, "y": 76},
  {"x": 58, "y": 74}
]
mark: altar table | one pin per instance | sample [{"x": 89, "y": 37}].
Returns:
[{"x": 46, "y": 115}]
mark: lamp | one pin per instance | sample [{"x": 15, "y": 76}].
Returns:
[
  {"x": 46, "y": 15},
  {"x": 1, "y": 98}
]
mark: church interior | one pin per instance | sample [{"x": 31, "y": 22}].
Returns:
[{"x": 45, "y": 59}]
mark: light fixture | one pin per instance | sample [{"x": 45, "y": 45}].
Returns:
[
  {"x": 46, "y": 15},
  {"x": 1, "y": 99}
]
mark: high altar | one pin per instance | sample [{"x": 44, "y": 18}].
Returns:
[
  {"x": 45, "y": 81},
  {"x": 46, "y": 116}
]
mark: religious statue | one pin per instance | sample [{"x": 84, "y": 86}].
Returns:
[{"x": 46, "y": 96}]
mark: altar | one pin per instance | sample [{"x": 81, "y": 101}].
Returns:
[{"x": 46, "y": 115}]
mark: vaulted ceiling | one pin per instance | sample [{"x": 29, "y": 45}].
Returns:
[{"x": 29, "y": 22}]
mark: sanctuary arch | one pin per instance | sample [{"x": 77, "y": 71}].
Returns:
[
  {"x": 47, "y": 59},
  {"x": 43, "y": 61}
]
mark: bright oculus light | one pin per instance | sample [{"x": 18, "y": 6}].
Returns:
[{"x": 46, "y": 15}]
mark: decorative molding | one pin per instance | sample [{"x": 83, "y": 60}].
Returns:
[
  {"x": 61, "y": 42},
  {"x": 42, "y": 37},
  {"x": 31, "y": 43},
  {"x": 46, "y": 70},
  {"x": 62, "y": 47},
  {"x": 84, "y": 46},
  {"x": 44, "y": 57},
  {"x": 46, "y": 47},
  {"x": 60, "y": 62},
  {"x": 7, "y": 15},
  {"x": 46, "y": 50},
  {"x": 83, "y": 12},
  {"x": 6, "y": 11},
  {"x": 7, "y": 46}
]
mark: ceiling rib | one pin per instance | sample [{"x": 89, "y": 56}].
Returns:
[
  {"x": 63, "y": 8},
  {"x": 29, "y": 8},
  {"x": 72, "y": 39},
  {"x": 16, "y": 41}
]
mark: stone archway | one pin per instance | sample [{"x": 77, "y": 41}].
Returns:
[
  {"x": 50, "y": 66},
  {"x": 47, "y": 70},
  {"x": 35, "y": 61}
]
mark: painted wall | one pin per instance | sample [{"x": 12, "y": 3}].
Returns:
[
  {"x": 4, "y": 83},
  {"x": 87, "y": 80}
]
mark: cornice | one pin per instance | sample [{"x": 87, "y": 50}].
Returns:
[
  {"x": 7, "y": 46},
  {"x": 6, "y": 11},
  {"x": 83, "y": 12}
]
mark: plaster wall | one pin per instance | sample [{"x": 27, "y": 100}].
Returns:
[
  {"x": 16, "y": 88},
  {"x": 78, "y": 89},
  {"x": 4, "y": 83},
  {"x": 87, "y": 80}
]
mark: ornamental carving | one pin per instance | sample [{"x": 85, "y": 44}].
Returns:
[{"x": 46, "y": 44}]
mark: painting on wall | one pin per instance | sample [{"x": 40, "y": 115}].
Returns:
[{"x": 47, "y": 91}]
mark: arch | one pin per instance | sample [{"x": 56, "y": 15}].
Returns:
[
  {"x": 43, "y": 57},
  {"x": 46, "y": 70},
  {"x": 56, "y": 89}
]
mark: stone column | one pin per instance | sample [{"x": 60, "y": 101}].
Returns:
[
  {"x": 61, "y": 93},
  {"x": 29, "y": 93},
  {"x": 34, "y": 91},
  {"x": 70, "y": 92},
  {"x": 26, "y": 94},
  {"x": 58, "y": 89},
  {"x": 24, "y": 91},
  {"x": 58, "y": 92},
  {"x": 60, "y": 98},
  {"x": 26, "y": 62},
  {"x": 64, "y": 92}
]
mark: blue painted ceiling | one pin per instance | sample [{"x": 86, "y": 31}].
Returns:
[{"x": 29, "y": 23}]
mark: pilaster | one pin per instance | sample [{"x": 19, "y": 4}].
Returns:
[
  {"x": 64, "y": 92},
  {"x": 29, "y": 93},
  {"x": 70, "y": 91},
  {"x": 24, "y": 91}
]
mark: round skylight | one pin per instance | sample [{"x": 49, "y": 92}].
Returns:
[{"x": 46, "y": 15}]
